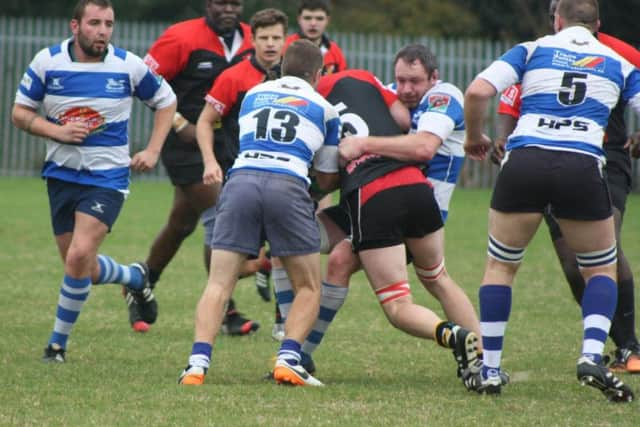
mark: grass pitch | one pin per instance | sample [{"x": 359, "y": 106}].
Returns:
[{"x": 375, "y": 375}]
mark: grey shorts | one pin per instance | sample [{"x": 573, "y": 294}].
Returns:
[{"x": 255, "y": 206}]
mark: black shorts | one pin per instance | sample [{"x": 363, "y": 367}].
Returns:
[
  {"x": 572, "y": 184},
  {"x": 618, "y": 174},
  {"x": 185, "y": 174},
  {"x": 339, "y": 215},
  {"x": 391, "y": 215}
]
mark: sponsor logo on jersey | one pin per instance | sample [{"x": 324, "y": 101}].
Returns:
[
  {"x": 151, "y": 62},
  {"x": 90, "y": 117},
  {"x": 26, "y": 81},
  {"x": 509, "y": 96},
  {"x": 217, "y": 105},
  {"x": 206, "y": 65},
  {"x": 293, "y": 101},
  {"x": 55, "y": 84},
  {"x": 563, "y": 59},
  {"x": 439, "y": 103},
  {"x": 589, "y": 62},
  {"x": 115, "y": 86}
]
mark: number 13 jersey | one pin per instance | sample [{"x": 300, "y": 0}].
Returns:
[{"x": 284, "y": 125}]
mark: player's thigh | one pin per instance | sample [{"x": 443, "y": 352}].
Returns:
[
  {"x": 513, "y": 229},
  {"x": 201, "y": 196},
  {"x": 427, "y": 251},
  {"x": 303, "y": 270},
  {"x": 239, "y": 216},
  {"x": 289, "y": 218},
  {"x": 225, "y": 267},
  {"x": 384, "y": 266},
  {"x": 588, "y": 236}
]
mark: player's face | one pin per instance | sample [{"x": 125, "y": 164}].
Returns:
[
  {"x": 268, "y": 43},
  {"x": 93, "y": 32},
  {"x": 412, "y": 82},
  {"x": 313, "y": 23},
  {"x": 225, "y": 14}
]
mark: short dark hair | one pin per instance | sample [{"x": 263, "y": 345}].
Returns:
[
  {"x": 78, "y": 10},
  {"x": 267, "y": 18},
  {"x": 581, "y": 12},
  {"x": 418, "y": 52},
  {"x": 315, "y": 5},
  {"x": 302, "y": 59}
]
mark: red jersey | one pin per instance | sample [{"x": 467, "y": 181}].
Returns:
[
  {"x": 332, "y": 54},
  {"x": 226, "y": 96},
  {"x": 190, "y": 56}
]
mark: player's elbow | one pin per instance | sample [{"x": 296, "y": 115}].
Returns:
[{"x": 327, "y": 182}]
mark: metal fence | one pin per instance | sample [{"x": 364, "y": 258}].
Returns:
[{"x": 21, "y": 38}]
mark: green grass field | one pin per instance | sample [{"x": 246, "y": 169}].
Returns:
[{"x": 375, "y": 375}]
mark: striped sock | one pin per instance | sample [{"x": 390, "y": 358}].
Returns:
[
  {"x": 73, "y": 294},
  {"x": 283, "y": 289},
  {"x": 200, "y": 355},
  {"x": 112, "y": 272},
  {"x": 290, "y": 351},
  {"x": 495, "y": 307},
  {"x": 330, "y": 302},
  {"x": 598, "y": 306}
]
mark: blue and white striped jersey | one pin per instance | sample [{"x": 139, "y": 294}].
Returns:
[
  {"x": 441, "y": 112},
  {"x": 98, "y": 94},
  {"x": 284, "y": 125},
  {"x": 570, "y": 83}
]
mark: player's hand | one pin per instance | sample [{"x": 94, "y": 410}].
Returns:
[
  {"x": 477, "y": 149},
  {"x": 212, "y": 173},
  {"x": 72, "y": 132},
  {"x": 144, "y": 160},
  {"x": 633, "y": 144},
  {"x": 497, "y": 151},
  {"x": 351, "y": 147}
]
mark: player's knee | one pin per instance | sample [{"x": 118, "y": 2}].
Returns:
[
  {"x": 504, "y": 253},
  {"x": 182, "y": 228},
  {"x": 598, "y": 262},
  {"x": 392, "y": 298},
  {"x": 342, "y": 263},
  {"x": 431, "y": 275}
]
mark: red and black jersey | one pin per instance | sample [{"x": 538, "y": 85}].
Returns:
[
  {"x": 363, "y": 103},
  {"x": 226, "y": 96},
  {"x": 333, "y": 57},
  {"x": 190, "y": 56}
]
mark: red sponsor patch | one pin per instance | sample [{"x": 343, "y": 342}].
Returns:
[
  {"x": 439, "y": 102},
  {"x": 90, "y": 117}
]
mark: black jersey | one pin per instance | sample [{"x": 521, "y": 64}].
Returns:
[{"x": 363, "y": 103}]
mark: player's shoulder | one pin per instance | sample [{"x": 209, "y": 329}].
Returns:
[{"x": 444, "y": 88}]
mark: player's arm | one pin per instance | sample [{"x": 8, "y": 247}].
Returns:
[
  {"x": 28, "y": 119},
  {"x": 476, "y": 104},
  {"x": 162, "y": 119},
  {"x": 401, "y": 115},
  {"x": 417, "y": 147},
  {"x": 505, "y": 124},
  {"x": 205, "y": 137}
]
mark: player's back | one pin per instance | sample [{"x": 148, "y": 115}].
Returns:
[
  {"x": 282, "y": 124},
  {"x": 570, "y": 83}
]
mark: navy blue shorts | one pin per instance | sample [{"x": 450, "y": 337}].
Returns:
[{"x": 67, "y": 198}]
